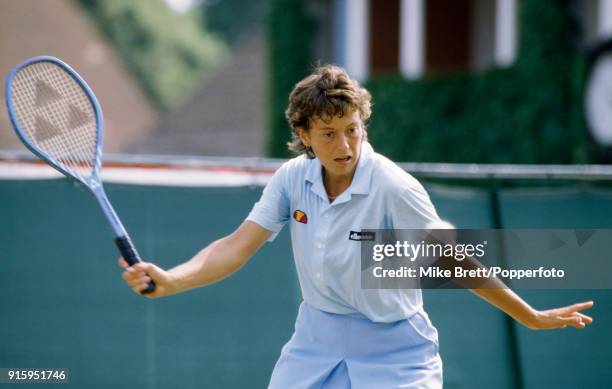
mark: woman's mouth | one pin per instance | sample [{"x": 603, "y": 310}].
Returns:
[{"x": 343, "y": 160}]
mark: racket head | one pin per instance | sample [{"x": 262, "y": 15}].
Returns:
[{"x": 57, "y": 117}]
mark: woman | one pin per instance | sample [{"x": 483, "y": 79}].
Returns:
[{"x": 345, "y": 336}]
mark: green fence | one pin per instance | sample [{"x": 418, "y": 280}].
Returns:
[{"x": 63, "y": 303}]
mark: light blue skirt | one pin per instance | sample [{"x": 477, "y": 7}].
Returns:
[{"x": 334, "y": 351}]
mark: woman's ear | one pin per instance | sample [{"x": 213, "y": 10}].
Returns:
[{"x": 304, "y": 136}]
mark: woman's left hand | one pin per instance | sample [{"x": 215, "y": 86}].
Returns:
[{"x": 560, "y": 317}]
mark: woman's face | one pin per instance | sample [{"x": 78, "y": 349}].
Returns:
[{"x": 336, "y": 142}]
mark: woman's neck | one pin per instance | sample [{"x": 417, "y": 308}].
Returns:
[{"x": 334, "y": 186}]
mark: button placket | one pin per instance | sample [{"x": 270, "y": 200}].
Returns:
[{"x": 320, "y": 243}]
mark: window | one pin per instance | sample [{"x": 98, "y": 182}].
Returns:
[
  {"x": 416, "y": 37},
  {"x": 594, "y": 19},
  {"x": 454, "y": 35},
  {"x": 384, "y": 36}
]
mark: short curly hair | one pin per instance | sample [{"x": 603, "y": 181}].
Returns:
[{"x": 329, "y": 91}]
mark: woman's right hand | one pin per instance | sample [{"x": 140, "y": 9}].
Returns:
[{"x": 139, "y": 276}]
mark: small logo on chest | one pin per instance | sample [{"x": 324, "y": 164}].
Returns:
[
  {"x": 300, "y": 216},
  {"x": 361, "y": 236}
]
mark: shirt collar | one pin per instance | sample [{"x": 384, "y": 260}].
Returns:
[{"x": 361, "y": 180}]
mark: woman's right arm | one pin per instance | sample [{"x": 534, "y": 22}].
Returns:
[{"x": 217, "y": 261}]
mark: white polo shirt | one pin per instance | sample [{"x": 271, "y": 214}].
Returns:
[{"x": 381, "y": 196}]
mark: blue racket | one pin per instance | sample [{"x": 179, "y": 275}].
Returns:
[{"x": 57, "y": 116}]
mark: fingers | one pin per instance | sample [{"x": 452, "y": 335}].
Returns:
[
  {"x": 561, "y": 322},
  {"x": 564, "y": 317},
  {"x": 576, "y": 320},
  {"x": 572, "y": 317},
  {"x": 135, "y": 276},
  {"x": 578, "y": 307},
  {"x": 134, "y": 279},
  {"x": 585, "y": 318},
  {"x": 122, "y": 263},
  {"x": 573, "y": 321}
]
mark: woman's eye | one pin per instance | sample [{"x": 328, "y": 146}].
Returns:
[{"x": 328, "y": 134}]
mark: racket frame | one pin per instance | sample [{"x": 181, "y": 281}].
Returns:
[
  {"x": 25, "y": 139},
  {"x": 93, "y": 183}
]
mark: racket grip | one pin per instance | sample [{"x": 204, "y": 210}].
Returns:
[{"x": 129, "y": 253}]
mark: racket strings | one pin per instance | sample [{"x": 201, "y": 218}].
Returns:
[
  {"x": 57, "y": 116},
  {"x": 47, "y": 137},
  {"x": 79, "y": 156},
  {"x": 44, "y": 133}
]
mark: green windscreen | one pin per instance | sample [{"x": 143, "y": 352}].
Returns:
[{"x": 64, "y": 305}]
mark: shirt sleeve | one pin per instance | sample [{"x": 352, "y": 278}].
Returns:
[
  {"x": 413, "y": 209},
  {"x": 272, "y": 210}
]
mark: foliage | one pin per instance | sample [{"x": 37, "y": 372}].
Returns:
[
  {"x": 290, "y": 32},
  {"x": 232, "y": 19},
  {"x": 167, "y": 52}
]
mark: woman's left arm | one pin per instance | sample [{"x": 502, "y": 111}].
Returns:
[{"x": 509, "y": 302}]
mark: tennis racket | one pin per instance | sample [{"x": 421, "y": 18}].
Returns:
[{"x": 57, "y": 116}]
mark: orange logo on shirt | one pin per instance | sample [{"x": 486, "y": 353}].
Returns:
[{"x": 300, "y": 216}]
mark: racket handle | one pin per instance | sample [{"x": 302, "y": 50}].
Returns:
[{"x": 129, "y": 253}]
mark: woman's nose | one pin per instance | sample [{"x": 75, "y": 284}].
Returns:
[{"x": 343, "y": 143}]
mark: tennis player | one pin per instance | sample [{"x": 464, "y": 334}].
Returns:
[{"x": 345, "y": 336}]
